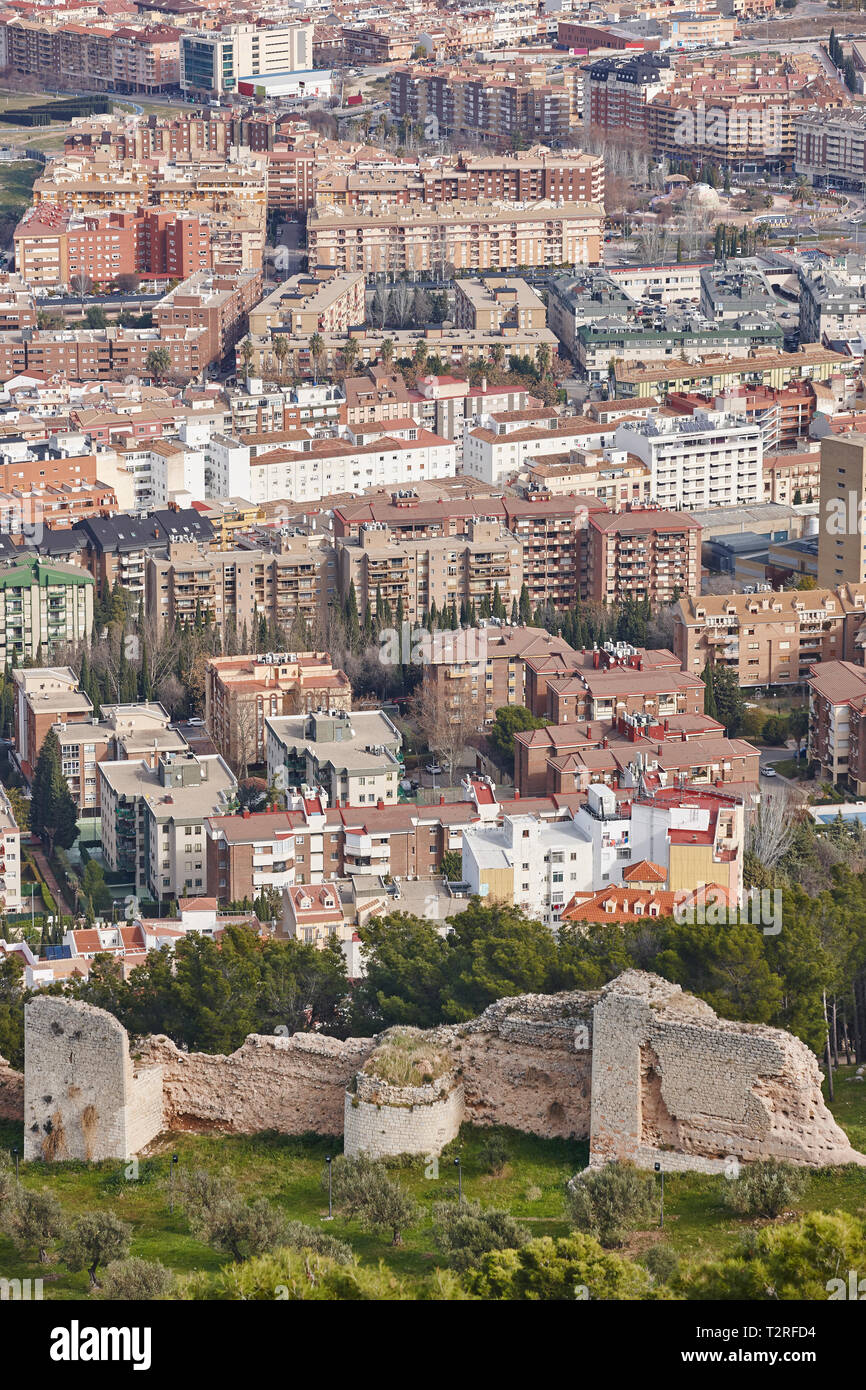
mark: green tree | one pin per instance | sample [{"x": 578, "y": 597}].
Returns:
[
  {"x": 805, "y": 1260},
  {"x": 729, "y": 699},
  {"x": 158, "y": 362},
  {"x": 555, "y": 1269},
  {"x": 97, "y": 1238},
  {"x": 511, "y": 719},
  {"x": 766, "y": 1188},
  {"x": 33, "y": 1221},
  {"x": 53, "y": 812},
  {"x": 363, "y": 1190}
]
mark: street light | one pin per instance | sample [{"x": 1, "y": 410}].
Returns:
[
  {"x": 459, "y": 1166},
  {"x": 15, "y": 1156},
  {"x": 659, "y": 1169},
  {"x": 171, "y": 1183},
  {"x": 330, "y": 1189}
]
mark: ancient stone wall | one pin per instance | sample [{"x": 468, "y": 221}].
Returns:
[
  {"x": 82, "y": 1096},
  {"x": 641, "y": 1069},
  {"x": 526, "y": 1062},
  {"x": 11, "y": 1092},
  {"x": 674, "y": 1084},
  {"x": 292, "y": 1084}
]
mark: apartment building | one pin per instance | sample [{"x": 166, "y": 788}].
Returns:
[
  {"x": 706, "y": 459},
  {"x": 217, "y": 303},
  {"x": 141, "y": 732},
  {"x": 480, "y": 236},
  {"x": 841, "y": 542},
  {"x": 810, "y": 362},
  {"x": 728, "y": 293},
  {"x": 552, "y": 535},
  {"x": 55, "y": 247},
  {"x": 241, "y": 691},
  {"x": 43, "y": 606},
  {"x": 118, "y": 59},
  {"x": 643, "y": 553},
  {"x": 450, "y": 572},
  {"x": 485, "y": 103},
  {"x": 830, "y": 147},
  {"x": 452, "y": 346},
  {"x": 402, "y": 453},
  {"x": 837, "y": 731},
  {"x": 212, "y": 62},
  {"x": 487, "y": 667},
  {"x": 792, "y": 478},
  {"x": 307, "y": 304},
  {"x": 314, "y": 843},
  {"x": 44, "y": 696},
  {"x": 495, "y": 304},
  {"x": 153, "y": 820},
  {"x": 636, "y": 752},
  {"x": 238, "y": 586},
  {"x": 11, "y": 897},
  {"x": 496, "y": 449},
  {"x": 529, "y": 176},
  {"x": 663, "y": 283},
  {"x": 599, "y": 342},
  {"x": 832, "y": 301},
  {"x": 769, "y": 638},
  {"x": 350, "y": 757},
  {"x": 540, "y": 865},
  {"x": 618, "y": 681}
]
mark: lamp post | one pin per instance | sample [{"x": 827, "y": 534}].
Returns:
[
  {"x": 172, "y": 1167},
  {"x": 15, "y": 1156},
  {"x": 659, "y": 1169},
  {"x": 459, "y": 1166},
  {"x": 330, "y": 1189}
]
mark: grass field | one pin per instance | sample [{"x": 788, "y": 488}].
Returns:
[{"x": 289, "y": 1171}]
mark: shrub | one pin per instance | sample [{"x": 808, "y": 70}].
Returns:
[
  {"x": 299, "y": 1236},
  {"x": 407, "y": 1058},
  {"x": 766, "y": 1188},
  {"x": 662, "y": 1263},
  {"x": 494, "y": 1153},
  {"x": 607, "y": 1202},
  {"x": 238, "y": 1228},
  {"x": 464, "y": 1231},
  {"x": 560, "y": 1269},
  {"x": 136, "y": 1281}
]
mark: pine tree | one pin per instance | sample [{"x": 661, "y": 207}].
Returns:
[
  {"x": 710, "y": 709},
  {"x": 53, "y": 812}
]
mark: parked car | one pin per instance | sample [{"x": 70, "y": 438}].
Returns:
[
  {"x": 434, "y": 769},
  {"x": 768, "y": 770}
]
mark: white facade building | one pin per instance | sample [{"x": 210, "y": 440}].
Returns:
[{"x": 703, "y": 460}]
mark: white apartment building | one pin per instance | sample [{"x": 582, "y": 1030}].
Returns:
[
  {"x": 226, "y": 468},
  {"x": 214, "y": 62},
  {"x": 11, "y": 899},
  {"x": 316, "y": 468},
  {"x": 493, "y": 451},
  {"x": 147, "y": 476},
  {"x": 703, "y": 460},
  {"x": 663, "y": 283},
  {"x": 538, "y": 865},
  {"x": 153, "y": 820}
]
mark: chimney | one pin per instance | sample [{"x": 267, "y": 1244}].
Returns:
[
  {"x": 605, "y": 742},
  {"x": 246, "y": 813},
  {"x": 666, "y": 724},
  {"x": 380, "y": 805},
  {"x": 516, "y": 794},
  {"x": 685, "y": 736},
  {"x": 441, "y": 799}
]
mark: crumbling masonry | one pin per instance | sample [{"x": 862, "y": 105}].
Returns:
[{"x": 642, "y": 1070}]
